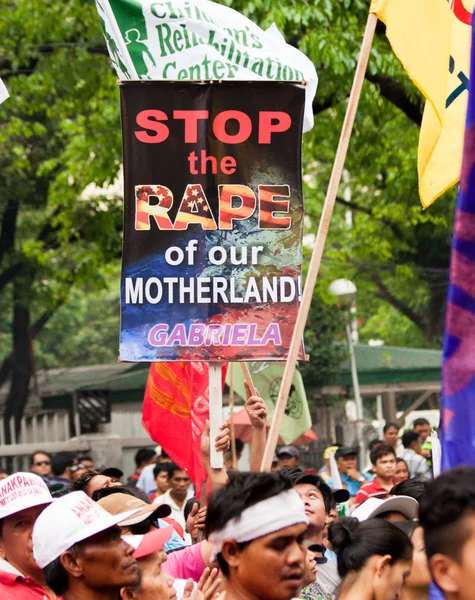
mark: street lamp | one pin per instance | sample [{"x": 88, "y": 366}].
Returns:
[{"x": 345, "y": 291}]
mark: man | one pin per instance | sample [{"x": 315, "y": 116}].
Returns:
[
  {"x": 412, "y": 454},
  {"x": 257, "y": 524},
  {"x": 23, "y": 496},
  {"x": 352, "y": 479},
  {"x": 143, "y": 457},
  {"x": 288, "y": 457},
  {"x": 87, "y": 461},
  {"x": 421, "y": 426},
  {"x": 161, "y": 474},
  {"x": 91, "y": 481},
  {"x": 40, "y": 464},
  {"x": 79, "y": 547},
  {"x": 383, "y": 462},
  {"x": 177, "y": 496},
  {"x": 318, "y": 501},
  {"x": 447, "y": 514},
  {"x": 391, "y": 435},
  {"x": 61, "y": 464},
  {"x": 146, "y": 481}
]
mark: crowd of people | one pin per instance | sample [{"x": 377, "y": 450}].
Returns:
[{"x": 74, "y": 530}]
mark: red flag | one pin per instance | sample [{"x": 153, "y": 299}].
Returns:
[{"x": 175, "y": 409}]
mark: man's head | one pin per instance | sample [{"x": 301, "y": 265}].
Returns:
[
  {"x": 144, "y": 457},
  {"x": 390, "y": 434},
  {"x": 346, "y": 459},
  {"x": 24, "y": 496},
  {"x": 257, "y": 524},
  {"x": 91, "y": 481},
  {"x": 447, "y": 514},
  {"x": 61, "y": 464},
  {"x": 40, "y": 464},
  {"x": 161, "y": 476},
  {"x": 79, "y": 547},
  {"x": 383, "y": 460},
  {"x": 374, "y": 443},
  {"x": 422, "y": 428},
  {"x": 288, "y": 457},
  {"x": 316, "y": 496},
  {"x": 179, "y": 482},
  {"x": 87, "y": 461},
  {"x": 412, "y": 441}
]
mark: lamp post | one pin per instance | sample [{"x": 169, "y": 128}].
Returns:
[{"x": 345, "y": 291}]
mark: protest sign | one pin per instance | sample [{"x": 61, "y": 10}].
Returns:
[
  {"x": 199, "y": 40},
  {"x": 213, "y": 220}
]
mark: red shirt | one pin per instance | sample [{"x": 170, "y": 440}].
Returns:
[
  {"x": 368, "y": 490},
  {"x": 13, "y": 586}
]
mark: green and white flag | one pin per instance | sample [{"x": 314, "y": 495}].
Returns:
[
  {"x": 267, "y": 377},
  {"x": 3, "y": 92},
  {"x": 199, "y": 40}
]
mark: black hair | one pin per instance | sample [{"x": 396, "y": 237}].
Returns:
[
  {"x": 32, "y": 457},
  {"x": 189, "y": 507},
  {"x": 448, "y": 499},
  {"x": 242, "y": 491},
  {"x": 389, "y": 426},
  {"x": 415, "y": 488},
  {"x": 355, "y": 542},
  {"x": 409, "y": 438},
  {"x": 297, "y": 476},
  {"x": 61, "y": 461},
  {"x": 173, "y": 467},
  {"x": 408, "y": 527},
  {"x": 165, "y": 466},
  {"x": 420, "y": 421},
  {"x": 144, "y": 455},
  {"x": 85, "y": 457},
  {"x": 374, "y": 443},
  {"x": 121, "y": 489},
  {"x": 82, "y": 482},
  {"x": 163, "y": 454},
  {"x": 399, "y": 460},
  {"x": 380, "y": 451},
  {"x": 239, "y": 445},
  {"x": 56, "y": 576}
]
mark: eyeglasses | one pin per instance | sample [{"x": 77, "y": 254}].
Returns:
[
  {"x": 42, "y": 463},
  {"x": 75, "y": 468}
]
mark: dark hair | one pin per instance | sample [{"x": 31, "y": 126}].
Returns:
[
  {"x": 409, "y": 438},
  {"x": 408, "y": 527},
  {"x": 415, "y": 488},
  {"x": 82, "y": 482},
  {"x": 32, "y": 457},
  {"x": 389, "y": 426},
  {"x": 399, "y": 460},
  {"x": 420, "y": 421},
  {"x": 163, "y": 454},
  {"x": 61, "y": 461},
  {"x": 448, "y": 499},
  {"x": 356, "y": 542},
  {"x": 85, "y": 457},
  {"x": 56, "y": 576},
  {"x": 242, "y": 491},
  {"x": 144, "y": 455},
  {"x": 297, "y": 476},
  {"x": 239, "y": 445},
  {"x": 121, "y": 489},
  {"x": 189, "y": 507},
  {"x": 380, "y": 451},
  {"x": 374, "y": 443},
  {"x": 173, "y": 467},
  {"x": 165, "y": 466}
]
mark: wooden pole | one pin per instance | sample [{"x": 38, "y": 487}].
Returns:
[
  {"x": 317, "y": 253},
  {"x": 231, "y": 415},
  {"x": 215, "y": 412},
  {"x": 248, "y": 379}
]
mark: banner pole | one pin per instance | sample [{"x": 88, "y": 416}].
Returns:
[
  {"x": 317, "y": 252},
  {"x": 215, "y": 411},
  {"x": 231, "y": 415},
  {"x": 248, "y": 379}
]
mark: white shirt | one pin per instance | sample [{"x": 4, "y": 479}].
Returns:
[{"x": 177, "y": 513}]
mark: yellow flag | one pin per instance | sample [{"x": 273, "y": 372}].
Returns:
[{"x": 432, "y": 39}]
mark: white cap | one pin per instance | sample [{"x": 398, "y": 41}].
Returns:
[
  {"x": 67, "y": 521},
  {"x": 373, "y": 507},
  {"x": 21, "y": 491}
]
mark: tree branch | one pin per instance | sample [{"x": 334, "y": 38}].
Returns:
[
  {"x": 398, "y": 233},
  {"x": 401, "y": 306},
  {"x": 393, "y": 91}
]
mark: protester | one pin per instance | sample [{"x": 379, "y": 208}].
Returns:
[
  {"x": 416, "y": 463},
  {"x": 177, "y": 495},
  {"x": 40, "y": 464},
  {"x": 288, "y": 457},
  {"x": 315, "y": 557},
  {"x": 79, "y": 547},
  {"x": 374, "y": 558},
  {"x": 391, "y": 435},
  {"x": 392, "y": 509},
  {"x": 369, "y": 470},
  {"x": 23, "y": 497},
  {"x": 77, "y": 471},
  {"x": 447, "y": 514},
  {"x": 87, "y": 461},
  {"x": 91, "y": 481},
  {"x": 257, "y": 524},
  {"x": 61, "y": 464},
  {"x": 143, "y": 457},
  {"x": 146, "y": 481},
  {"x": 161, "y": 475},
  {"x": 114, "y": 473},
  {"x": 402, "y": 472},
  {"x": 383, "y": 461},
  {"x": 416, "y": 586},
  {"x": 352, "y": 479},
  {"x": 421, "y": 426},
  {"x": 415, "y": 488}
]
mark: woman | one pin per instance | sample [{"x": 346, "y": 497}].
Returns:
[
  {"x": 402, "y": 471},
  {"x": 374, "y": 558},
  {"x": 416, "y": 586}
]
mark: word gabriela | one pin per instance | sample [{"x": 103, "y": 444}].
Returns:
[{"x": 198, "y": 334}]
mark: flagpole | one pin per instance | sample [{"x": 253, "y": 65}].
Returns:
[
  {"x": 215, "y": 411},
  {"x": 317, "y": 253},
  {"x": 231, "y": 415}
]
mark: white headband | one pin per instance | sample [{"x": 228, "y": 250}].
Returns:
[{"x": 265, "y": 517}]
